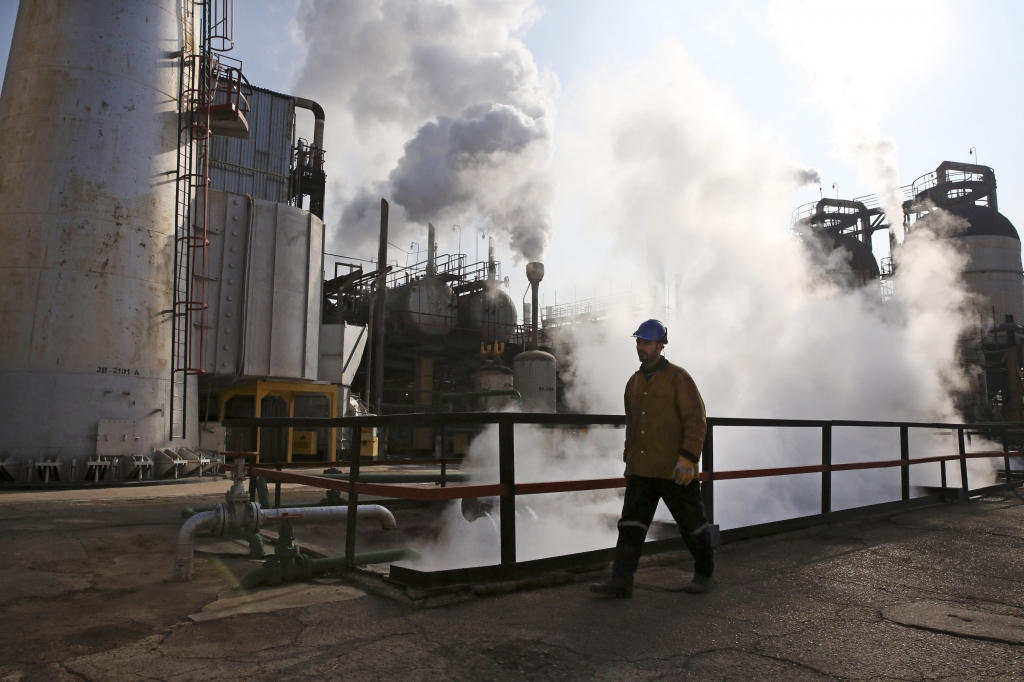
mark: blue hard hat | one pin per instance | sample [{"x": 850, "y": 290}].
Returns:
[{"x": 652, "y": 330}]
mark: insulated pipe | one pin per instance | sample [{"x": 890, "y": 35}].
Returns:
[
  {"x": 250, "y": 516},
  {"x": 208, "y": 520},
  {"x": 328, "y": 514},
  {"x": 318, "y": 115}
]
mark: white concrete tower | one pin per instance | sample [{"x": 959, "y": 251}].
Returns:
[{"x": 88, "y": 119}]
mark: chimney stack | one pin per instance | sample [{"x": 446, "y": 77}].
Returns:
[{"x": 534, "y": 273}]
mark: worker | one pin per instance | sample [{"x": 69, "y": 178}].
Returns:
[{"x": 665, "y": 428}]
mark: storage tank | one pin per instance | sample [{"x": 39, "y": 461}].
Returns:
[
  {"x": 88, "y": 119},
  {"x": 493, "y": 376},
  {"x": 424, "y": 307},
  {"x": 488, "y": 314},
  {"x": 534, "y": 377},
  {"x": 993, "y": 271},
  {"x": 968, "y": 193}
]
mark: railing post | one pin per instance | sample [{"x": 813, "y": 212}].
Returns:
[
  {"x": 1006, "y": 461},
  {"x": 353, "y": 496},
  {"x": 507, "y": 478},
  {"x": 277, "y": 490},
  {"x": 707, "y": 465},
  {"x": 905, "y": 467},
  {"x": 826, "y": 475},
  {"x": 964, "y": 487}
]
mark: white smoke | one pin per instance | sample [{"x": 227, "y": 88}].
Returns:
[
  {"x": 437, "y": 106},
  {"x": 856, "y": 53},
  {"x": 486, "y": 165},
  {"x": 659, "y": 157}
]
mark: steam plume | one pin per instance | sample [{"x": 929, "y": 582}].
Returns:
[
  {"x": 856, "y": 53},
  {"x": 437, "y": 105}
]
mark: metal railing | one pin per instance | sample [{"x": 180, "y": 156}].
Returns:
[{"x": 507, "y": 489}]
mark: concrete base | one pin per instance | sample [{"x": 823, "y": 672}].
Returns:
[
  {"x": 271, "y": 599},
  {"x": 54, "y": 415}
]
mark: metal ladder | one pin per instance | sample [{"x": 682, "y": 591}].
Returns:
[{"x": 196, "y": 90}]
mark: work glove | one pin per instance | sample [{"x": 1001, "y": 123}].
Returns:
[{"x": 685, "y": 472}]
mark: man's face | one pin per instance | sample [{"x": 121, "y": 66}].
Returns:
[{"x": 648, "y": 350}]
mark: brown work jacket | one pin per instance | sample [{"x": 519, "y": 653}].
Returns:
[{"x": 664, "y": 417}]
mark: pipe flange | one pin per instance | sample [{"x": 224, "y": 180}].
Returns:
[
  {"x": 254, "y": 517},
  {"x": 223, "y": 512}
]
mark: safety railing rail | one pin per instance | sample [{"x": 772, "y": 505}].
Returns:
[{"x": 507, "y": 488}]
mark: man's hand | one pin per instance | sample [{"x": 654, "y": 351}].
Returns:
[{"x": 685, "y": 472}]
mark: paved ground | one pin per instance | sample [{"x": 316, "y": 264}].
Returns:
[{"x": 84, "y": 596}]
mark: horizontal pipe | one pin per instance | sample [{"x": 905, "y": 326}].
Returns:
[
  {"x": 189, "y": 512},
  {"x": 329, "y": 514},
  {"x": 261, "y": 575},
  {"x": 482, "y": 394}
]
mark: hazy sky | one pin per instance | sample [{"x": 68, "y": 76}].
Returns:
[{"x": 963, "y": 92}]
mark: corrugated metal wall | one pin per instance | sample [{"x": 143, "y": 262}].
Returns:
[{"x": 260, "y": 165}]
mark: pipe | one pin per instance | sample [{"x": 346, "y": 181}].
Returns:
[
  {"x": 283, "y": 569},
  {"x": 492, "y": 269},
  {"x": 318, "y": 115},
  {"x": 208, "y": 520},
  {"x": 328, "y": 514},
  {"x": 431, "y": 263},
  {"x": 381, "y": 302}
]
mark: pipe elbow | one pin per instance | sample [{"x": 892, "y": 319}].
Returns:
[
  {"x": 379, "y": 513},
  {"x": 318, "y": 111},
  {"x": 208, "y": 520}
]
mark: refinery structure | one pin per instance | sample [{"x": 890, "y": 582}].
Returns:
[
  {"x": 177, "y": 318},
  {"x": 164, "y": 268},
  {"x": 958, "y": 202}
]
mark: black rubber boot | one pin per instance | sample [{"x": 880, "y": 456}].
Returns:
[
  {"x": 613, "y": 588},
  {"x": 702, "y": 552},
  {"x": 700, "y": 584}
]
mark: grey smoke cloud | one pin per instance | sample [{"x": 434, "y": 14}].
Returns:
[
  {"x": 430, "y": 96},
  {"x": 807, "y": 176},
  {"x": 480, "y": 163}
]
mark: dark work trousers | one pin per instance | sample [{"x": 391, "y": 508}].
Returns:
[{"x": 686, "y": 507}]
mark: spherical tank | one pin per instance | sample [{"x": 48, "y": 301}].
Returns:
[
  {"x": 993, "y": 270},
  {"x": 488, "y": 312},
  {"x": 88, "y": 116},
  {"x": 534, "y": 377},
  {"x": 424, "y": 307},
  {"x": 493, "y": 376}
]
